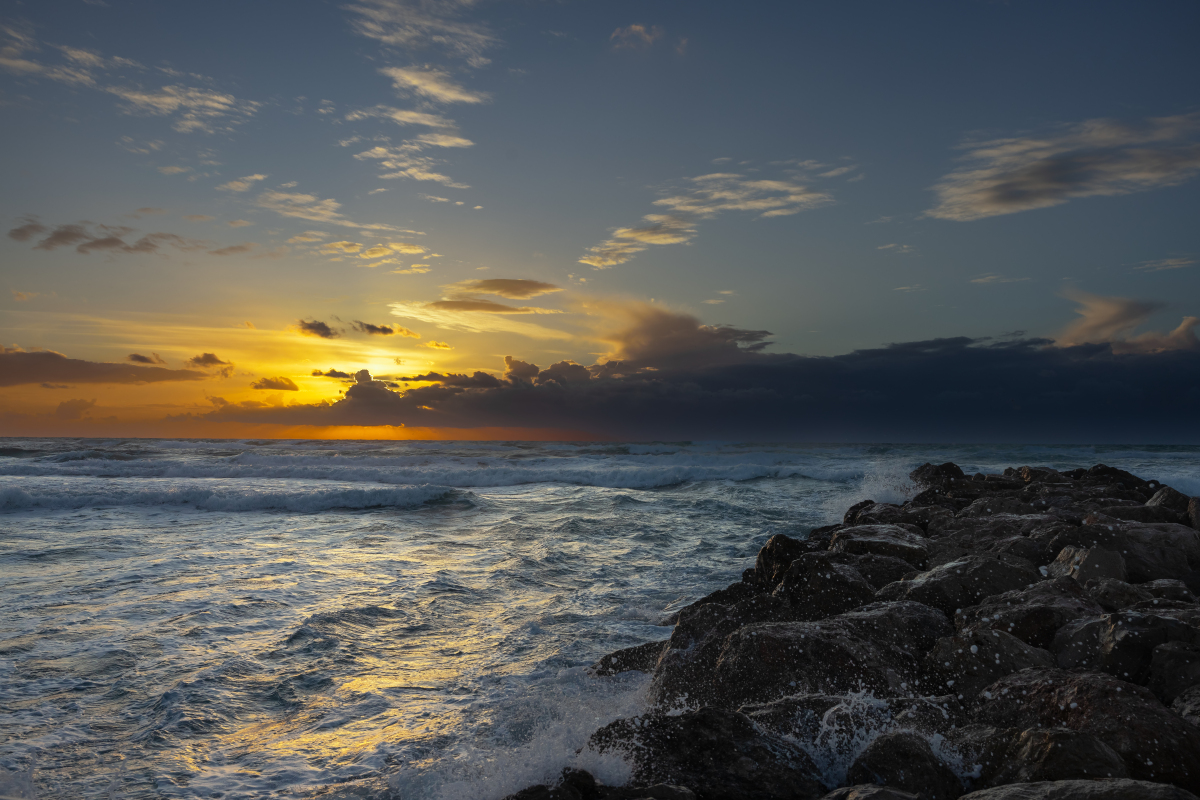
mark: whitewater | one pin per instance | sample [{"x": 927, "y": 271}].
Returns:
[{"x": 241, "y": 619}]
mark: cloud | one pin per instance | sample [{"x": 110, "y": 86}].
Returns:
[
  {"x": 432, "y": 84},
  {"x": 102, "y": 238},
  {"x": 206, "y": 360},
  {"x": 404, "y": 162},
  {"x": 73, "y": 409},
  {"x": 476, "y": 320},
  {"x": 234, "y": 249},
  {"x": 512, "y": 288},
  {"x": 705, "y": 196},
  {"x": 940, "y": 390},
  {"x": 992, "y": 278},
  {"x": 243, "y": 184},
  {"x": 415, "y": 269},
  {"x": 151, "y": 210},
  {"x": 174, "y": 170},
  {"x": 1165, "y": 264},
  {"x": 916, "y": 287},
  {"x": 420, "y": 24},
  {"x": 438, "y": 345},
  {"x": 19, "y": 367},
  {"x": 487, "y": 306},
  {"x": 277, "y": 384},
  {"x": 1095, "y": 158},
  {"x": 197, "y": 110},
  {"x": 198, "y": 217},
  {"x": 1112, "y": 321},
  {"x": 906, "y": 249},
  {"x": 239, "y": 223},
  {"x": 28, "y": 229},
  {"x": 138, "y": 358},
  {"x": 308, "y": 236},
  {"x": 479, "y": 380},
  {"x": 313, "y": 208},
  {"x": 383, "y": 330},
  {"x": 317, "y": 328},
  {"x": 24, "y": 297},
  {"x": 443, "y": 140},
  {"x": 635, "y": 36},
  {"x": 332, "y": 373},
  {"x": 401, "y": 116}
]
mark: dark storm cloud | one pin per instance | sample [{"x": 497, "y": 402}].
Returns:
[
  {"x": 19, "y": 366},
  {"x": 381, "y": 330},
  {"x": 312, "y": 327},
  {"x": 956, "y": 389},
  {"x": 333, "y": 373}
]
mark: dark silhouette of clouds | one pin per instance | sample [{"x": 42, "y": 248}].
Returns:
[
  {"x": 312, "y": 327},
  {"x": 138, "y": 358},
  {"x": 19, "y": 366},
  {"x": 480, "y": 380},
  {"x": 332, "y": 373},
  {"x": 208, "y": 360},
  {"x": 512, "y": 288},
  {"x": 74, "y": 409},
  {"x": 279, "y": 384},
  {"x": 383, "y": 330}
]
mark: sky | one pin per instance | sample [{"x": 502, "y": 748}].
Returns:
[{"x": 869, "y": 221}]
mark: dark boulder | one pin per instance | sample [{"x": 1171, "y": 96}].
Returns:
[
  {"x": 936, "y": 475},
  {"x": 818, "y": 587},
  {"x": 905, "y": 761},
  {"x": 870, "y": 792},
  {"x": 642, "y": 658},
  {"x": 775, "y": 557},
  {"x": 811, "y": 717},
  {"x": 1169, "y": 589},
  {"x": 1032, "y": 615},
  {"x": 1193, "y": 512},
  {"x": 1113, "y": 595},
  {"x": 986, "y": 506},
  {"x": 719, "y": 755},
  {"x": 1174, "y": 668},
  {"x": 968, "y": 663},
  {"x": 1083, "y": 790},
  {"x": 1143, "y": 514},
  {"x": 1087, "y": 563},
  {"x": 1166, "y": 497},
  {"x": 876, "y": 648},
  {"x": 964, "y": 582},
  {"x": 885, "y": 540},
  {"x": 1187, "y": 705},
  {"x": 877, "y": 570},
  {"x": 1154, "y": 743},
  {"x": 1122, "y": 643},
  {"x": 1057, "y": 754}
]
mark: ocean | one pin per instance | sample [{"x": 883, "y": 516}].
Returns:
[{"x": 243, "y": 619}]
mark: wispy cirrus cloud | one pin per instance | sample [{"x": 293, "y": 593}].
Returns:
[
  {"x": 401, "y": 116},
  {"x": 704, "y": 197},
  {"x": 302, "y": 205},
  {"x": 1113, "y": 320},
  {"x": 431, "y": 84},
  {"x": 416, "y": 25},
  {"x": 1096, "y": 158},
  {"x": 405, "y": 161},
  {"x": 243, "y": 184},
  {"x": 635, "y": 36},
  {"x": 1165, "y": 264},
  {"x": 511, "y": 288}
]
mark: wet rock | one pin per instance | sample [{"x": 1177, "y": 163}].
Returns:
[
  {"x": 818, "y": 587},
  {"x": 1114, "y": 595},
  {"x": 1187, "y": 705},
  {"x": 1166, "y": 497},
  {"x": 851, "y": 515},
  {"x": 1169, "y": 589},
  {"x": 1143, "y": 514},
  {"x": 876, "y": 570},
  {"x": 986, "y": 506},
  {"x": 808, "y": 717},
  {"x": 719, "y": 755},
  {"x": 876, "y": 649},
  {"x": 971, "y": 661},
  {"x": 697, "y": 640},
  {"x": 1105, "y": 474},
  {"x": 905, "y": 761},
  {"x": 730, "y": 595},
  {"x": 1193, "y": 512},
  {"x": 1154, "y": 743},
  {"x": 1174, "y": 668},
  {"x": 936, "y": 475},
  {"x": 1085, "y": 564},
  {"x": 1058, "y": 754},
  {"x": 775, "y": 557},
  {"x": 884, "y": 540},
  {"x": 1150, "y": 551},
  {"x": 1033, "y": 615},
  {"x": 1083, "y": 790},
  {"x": 642, "y": 658},
  {"x": 964, "y": 582},
  {"x": 870, "y": 792},
  {"x": 1122, "y": 643}
]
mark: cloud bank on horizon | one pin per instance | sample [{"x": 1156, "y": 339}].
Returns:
[{"x": 460, "y": 216}]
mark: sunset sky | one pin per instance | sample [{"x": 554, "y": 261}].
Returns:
[{"x": 840, "y": 221}]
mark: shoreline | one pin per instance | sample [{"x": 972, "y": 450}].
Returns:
[{"x": 1031, "y": 634}]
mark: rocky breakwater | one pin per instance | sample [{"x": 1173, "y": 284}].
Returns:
[{"x": 1033, "y": 635}]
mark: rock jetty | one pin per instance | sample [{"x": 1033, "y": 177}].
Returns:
[{"x": 1033, "y": 635}]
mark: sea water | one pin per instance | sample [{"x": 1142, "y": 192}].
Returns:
[{"x": 236, "y": 619}]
